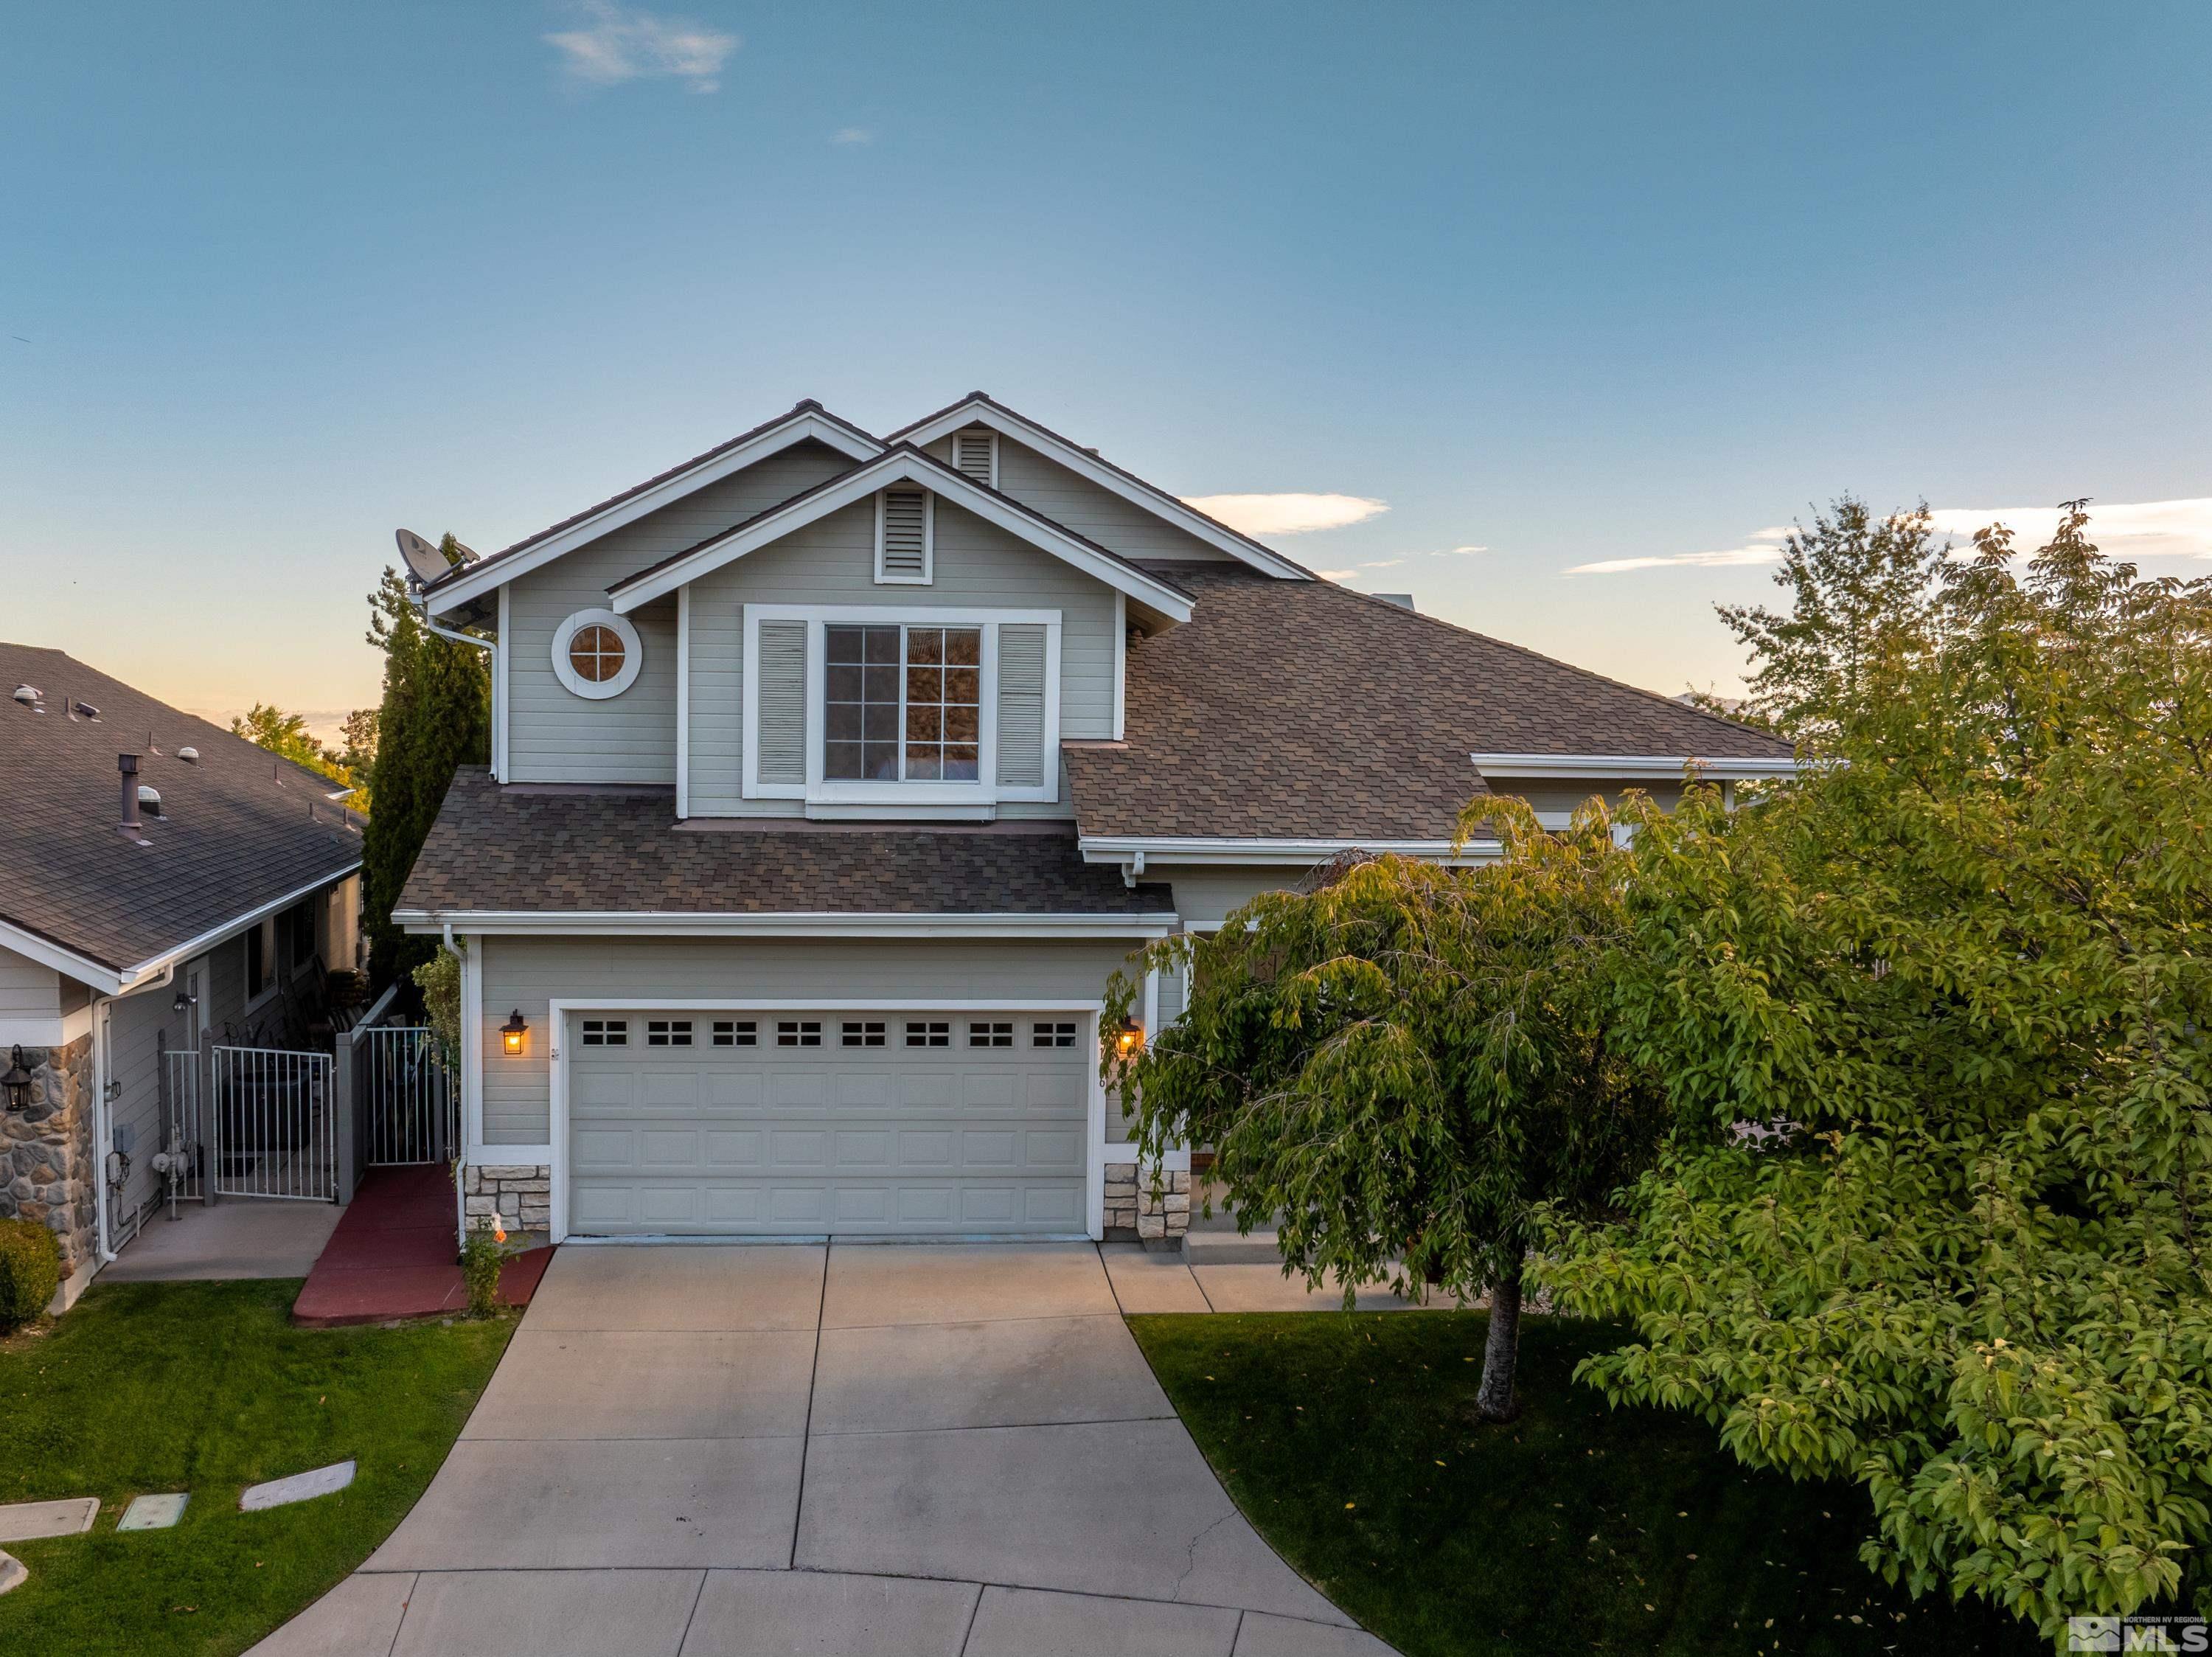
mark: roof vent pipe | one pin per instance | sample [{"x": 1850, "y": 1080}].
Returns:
[{"x": 128, "y": 765}]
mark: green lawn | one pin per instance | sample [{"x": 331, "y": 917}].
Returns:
[
  {"x": 1351, "y": 1442},
  {"x": 207, "y": 1387}
]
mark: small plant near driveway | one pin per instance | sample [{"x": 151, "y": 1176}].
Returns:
[{"x": 482, "y": 1258}]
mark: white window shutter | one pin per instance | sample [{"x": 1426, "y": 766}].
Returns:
[
  {"x": 902, "y": 554},
  {"x": 781, "y": 722},
  {"x": 976, "y": 452},
  {"x": 1021, "y": 758}
]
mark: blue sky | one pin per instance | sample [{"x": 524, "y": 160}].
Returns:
[{"x": 1597, "y": 285}]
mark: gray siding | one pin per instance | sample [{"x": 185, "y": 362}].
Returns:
[
  {"x": 30, "y": 1000},
  {"x": 529, "y": 972},
  {"x": 1206, "y": 896},
  {"x": 832, "y": 561},
  {"x": 556, "y": 737},
  {"x": 1133, "y": 531}
]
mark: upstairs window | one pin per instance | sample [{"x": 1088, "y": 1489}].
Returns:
[
  {"x": 905, "y": 537},
  {"x": 901, "y": 704},
  {"x": 596, "y": 655}
]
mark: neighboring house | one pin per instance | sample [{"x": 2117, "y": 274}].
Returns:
[
  {"x": 832, "y": 775},
  {"x": 209, "y": 918}
]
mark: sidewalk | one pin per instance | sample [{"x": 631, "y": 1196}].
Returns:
[{"x": 394, "y": 1255}]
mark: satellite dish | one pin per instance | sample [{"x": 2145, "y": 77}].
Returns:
[
  {"x": 423, "y": 557},
  {"x": 468, "y": 555}
]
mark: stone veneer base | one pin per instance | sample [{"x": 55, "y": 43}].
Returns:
[{"x": 514, "y": 1197}]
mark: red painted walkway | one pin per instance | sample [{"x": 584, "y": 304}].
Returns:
[{"x": 392, "y": 1256}]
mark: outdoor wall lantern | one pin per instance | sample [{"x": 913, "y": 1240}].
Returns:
[
  {"x": 511, "y": 1033},
  {"x": 1128, "y": 1037},
  {"x": 17, "y": 1081}
]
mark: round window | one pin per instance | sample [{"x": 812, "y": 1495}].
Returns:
[{"x": 596, "y": 654}]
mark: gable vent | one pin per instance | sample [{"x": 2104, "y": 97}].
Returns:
[
  {"x": 903, "y": 555},
  {"x": 977, "y": 453}
]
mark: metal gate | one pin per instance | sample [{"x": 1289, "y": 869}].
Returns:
[
  {"x": 273, "y": 1129},
  {"x": 184, "y": 1173},
  {"x": 408, "y": 1096}
]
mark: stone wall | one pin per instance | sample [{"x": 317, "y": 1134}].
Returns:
[
  {"x": 1153, "y": 1209},
  {"x": 518, "y": 1198},
  {"x": 47, "y": 1168}
]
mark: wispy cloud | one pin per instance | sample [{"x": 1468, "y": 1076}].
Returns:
[
  {"x": 1336, "y": 575},
  {"x": 1381, "y": 564},
  {"x": 852, "y": 136},
  {"x": 1457, "y": 551},
  {"x": 1287, "y": 514},
  {"x": 617, "y": 43},
  {"x": 1726, "y": 556},
  {"x": 2137, "y": 529}
]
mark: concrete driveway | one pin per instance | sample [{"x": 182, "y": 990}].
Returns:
[{"x": 704, "y": 1452}]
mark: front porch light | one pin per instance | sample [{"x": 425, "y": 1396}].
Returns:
[
  {"x": 17, "y": 1081},
  {"x": 511, "y": 1033},
  {"x": 1128, "y": 1037}
]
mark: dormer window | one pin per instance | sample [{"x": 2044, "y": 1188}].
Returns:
[
  {"x": 596, "y": 655},
  {"x": 870, "y": 708},
  {"x": 903, "y": 704},
  {"x": 976, "y": 452},
  {"x": 905, "y": 537}
]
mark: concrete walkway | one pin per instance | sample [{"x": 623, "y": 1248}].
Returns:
[{"x": 705, "y": 1451}]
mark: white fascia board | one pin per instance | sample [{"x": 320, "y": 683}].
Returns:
[
  {"x": 900, "y": 466},
  {"x": 672, "y": 923},
  {"x": 1615, "y": 764},
  {"x": 499, "y": 570},
  {"x": 1089, "y": 467},
  {"x": 67, "y": 962},
  {"x": 1193, "y": 849},
  {"x": 108, "y": 981}
]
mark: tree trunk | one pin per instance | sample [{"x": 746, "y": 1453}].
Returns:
[{"x": 1501, "y": 1353}]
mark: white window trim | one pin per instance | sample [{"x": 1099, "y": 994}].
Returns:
[
  {"x": 500, "y": 654},
  {"x": 952, "y": 450},
  {"x": 258, "y": 999},
  {"x": 683, "y": 701},
  {"x": 819, "y": 790},
  {"x": 633, "y": 654},
  {"x": 928, "y": 541}
]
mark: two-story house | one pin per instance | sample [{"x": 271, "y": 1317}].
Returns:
[{"x": 833, "y": 774}]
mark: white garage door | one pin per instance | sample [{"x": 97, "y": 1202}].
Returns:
[{"x": 795, "y": 1123}]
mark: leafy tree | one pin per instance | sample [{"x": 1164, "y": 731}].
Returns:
[
  {"x": 267, "y": 726},
  {"x": 434, "y": 718},
  {"x": 1403, "y": 1061},
  {"x": 1863, "y": 591},
  {"x": 357, "y": 740},
  {"x": 1933, "y": 1020}
]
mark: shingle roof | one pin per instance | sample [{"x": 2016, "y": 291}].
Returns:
[
  {"x": 545, "y": 850},
  {"x": 1302, "y": 710},
  {"x": 238, "y": 829}
]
